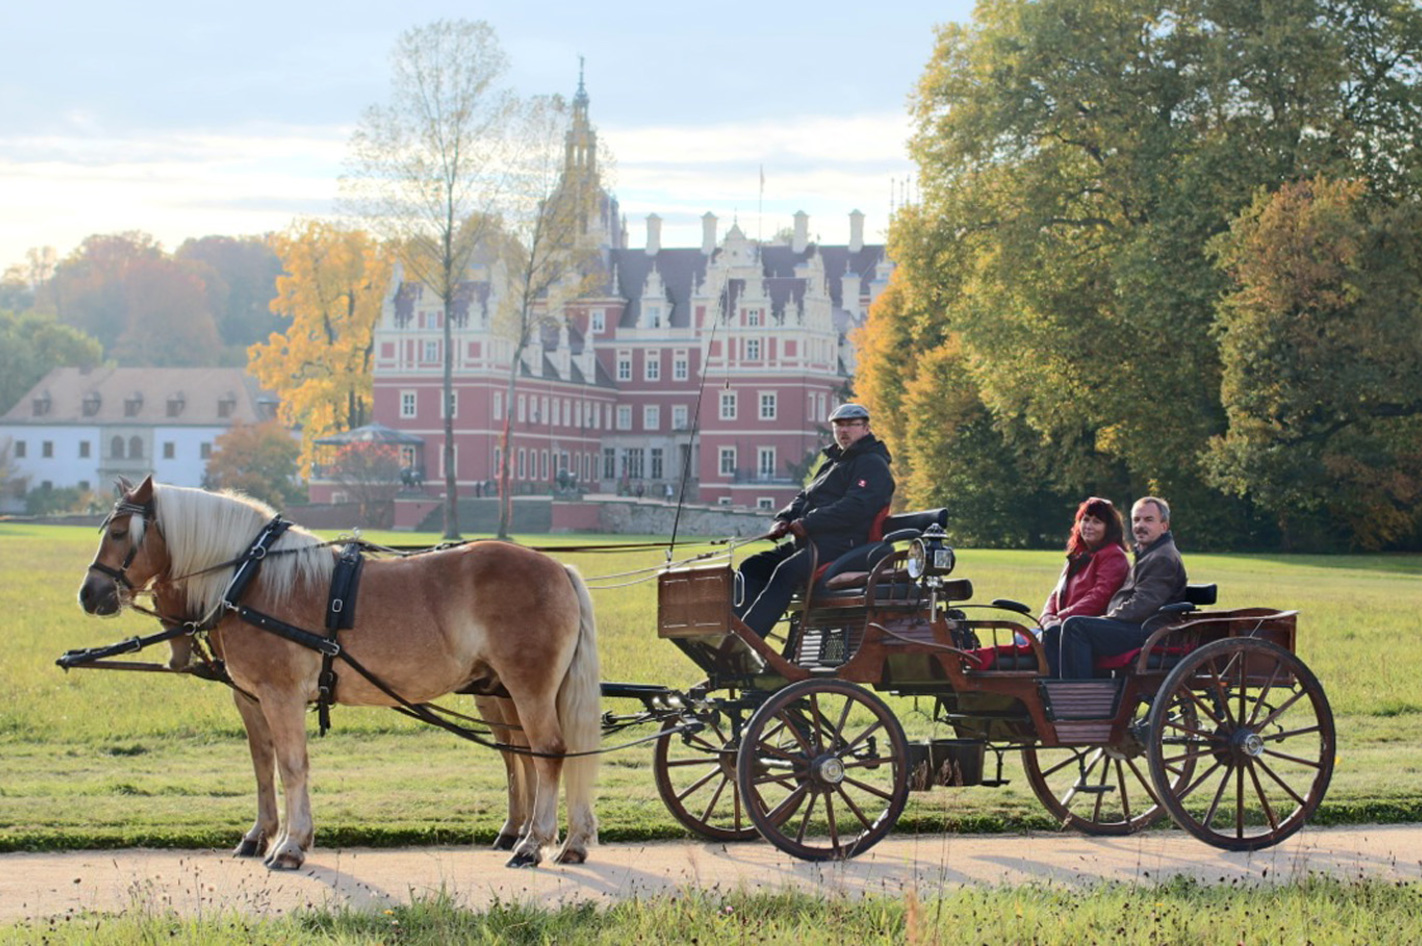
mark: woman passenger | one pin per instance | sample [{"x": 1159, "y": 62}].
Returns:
[{"x": 1095, "y": 569}]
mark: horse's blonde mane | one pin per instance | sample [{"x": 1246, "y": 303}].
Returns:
[{"x": 204, "y": 529}]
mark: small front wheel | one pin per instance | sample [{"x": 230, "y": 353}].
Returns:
[
  {"x": 1262, "y": 741},
  {"x": 823, "y": 770},
  {"x": 696, "y": 777}
]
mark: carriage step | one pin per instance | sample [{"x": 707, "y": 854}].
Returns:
[{"x": 1081, "y": 699}]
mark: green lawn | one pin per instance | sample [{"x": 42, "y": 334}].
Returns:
[{"x": 97, "y": 758}]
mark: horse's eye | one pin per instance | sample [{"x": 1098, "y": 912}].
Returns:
[{"x": 118, "y": 534}]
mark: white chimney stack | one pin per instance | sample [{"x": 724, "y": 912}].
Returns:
[
  {"x": 654, "y": 234},
  {"x": 856, "y": 231},
  {"x": 708, "y": 233},
  {"x": 802, "y": 232}
]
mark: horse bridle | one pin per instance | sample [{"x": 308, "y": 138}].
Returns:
[{"x": 124, "y": 507}]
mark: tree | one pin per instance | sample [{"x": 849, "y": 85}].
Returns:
[
  {"x": 1322, "y": 358},
  {"x": 548, "y": 249},
  {"x": 167, "y": 316},
  {"x": 87, "y": 289},
  {"x": 427, "y": 170},
  {"x": 370, "y": 472},
  {"x": 332, "y": 291},
  {"x": 1076, "y": 157},
  {"x": 241, "y": 275},
  {"x": 31, "y": 344},
  {"x": 259, "y": 460}
]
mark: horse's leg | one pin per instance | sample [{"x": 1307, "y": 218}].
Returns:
[
  {"x": 285, "y": 713},
  {"x": 503, "y": 722},
  {"x": 259, "y": 742},
  {"x": 545, "y": 738}
]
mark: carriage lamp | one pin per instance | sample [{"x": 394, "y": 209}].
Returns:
[{"x": 929, "y": 554}]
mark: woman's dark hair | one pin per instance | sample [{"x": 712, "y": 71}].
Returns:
[{"x": 1107, "y": 513}]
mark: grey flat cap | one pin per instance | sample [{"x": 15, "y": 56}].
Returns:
[{"x": 849, "y": 412}]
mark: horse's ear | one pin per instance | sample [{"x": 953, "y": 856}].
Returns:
[{"x": 144, "y": 492}]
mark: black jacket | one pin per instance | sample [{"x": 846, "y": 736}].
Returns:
[{"x": 849, "y": 489}]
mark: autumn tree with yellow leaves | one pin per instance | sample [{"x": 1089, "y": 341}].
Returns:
[{"x": 332, "y": 287}]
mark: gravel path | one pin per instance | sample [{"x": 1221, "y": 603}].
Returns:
[{"x": 193, "y": 883}]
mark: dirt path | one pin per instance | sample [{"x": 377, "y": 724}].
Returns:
[{"x": 197, "y": 882}]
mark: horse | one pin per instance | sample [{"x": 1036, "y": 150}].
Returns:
[{"x": 499, "y": 620}]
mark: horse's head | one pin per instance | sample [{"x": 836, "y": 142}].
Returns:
[{"x": 131, "y": 553}]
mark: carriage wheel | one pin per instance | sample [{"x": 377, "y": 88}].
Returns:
[
  {"x": 823, "y": 769},
  {"x": 696, "y": 777},
  {"x": 1263, "y": 743},
  {"x": 1104, "y": 789}
]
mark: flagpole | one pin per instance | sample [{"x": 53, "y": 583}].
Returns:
[{"x": 760, "y": 205}]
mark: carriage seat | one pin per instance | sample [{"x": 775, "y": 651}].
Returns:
[
  {"x": 851, "y": 570},
  {"x": 1163, "y": 658}
]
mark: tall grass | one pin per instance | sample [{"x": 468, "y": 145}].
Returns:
[
  {"x": 94, "y": 758},
  {"x": 1178, "y": 912}
]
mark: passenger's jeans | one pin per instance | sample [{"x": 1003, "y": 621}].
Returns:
[{"x": 1073, "y": 646}]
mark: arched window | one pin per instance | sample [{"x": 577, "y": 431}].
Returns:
[
  {"x": 116, "y": 448},
  {"x": 135, "y": 448}
]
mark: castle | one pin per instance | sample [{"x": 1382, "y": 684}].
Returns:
[{"x": 709, "y": 369}]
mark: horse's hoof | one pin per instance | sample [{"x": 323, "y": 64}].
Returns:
[
  {"x": 248, "y": 848},
  {"x": 571, "y": 856},
  {"x": 505, "y": 842},
  {"x": 284, "y": 862},
  {"x": 524, "y": 859}
]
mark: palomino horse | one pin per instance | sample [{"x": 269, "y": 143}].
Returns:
[{"x": 485, "y": 617}]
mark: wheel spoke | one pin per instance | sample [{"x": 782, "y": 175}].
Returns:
[
  {"x": 1284, "y": 756},
  {"x": 1262, "y": 700},
  {"x": 871, "y": 789},
  {"x": 1288, "y": 789},
  {"x": 699, "y": 783},
  {"x": 1269, "y": 720},
  {"x": 849, "y": 803},
  {"x": 1272, "y": 818},
  {"x": 711, "y": 805}
]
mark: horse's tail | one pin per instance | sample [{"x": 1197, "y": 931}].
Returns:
[{"x": 580, "y": 705}]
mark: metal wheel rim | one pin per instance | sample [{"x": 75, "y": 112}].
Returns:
[
  {"x": 823, "y": 770},
  {"x": 1264, "y": 744}
]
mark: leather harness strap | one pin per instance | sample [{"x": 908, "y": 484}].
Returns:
[{"x": 340, "y": 616}]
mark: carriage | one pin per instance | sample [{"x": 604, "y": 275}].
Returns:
[
  {"x": 801, "y": 737},
  {"x": 1214, "y": 721}
]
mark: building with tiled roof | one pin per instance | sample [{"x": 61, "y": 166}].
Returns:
[
  {"x": 714, "y": 365},
  {"x": 85, "y": 427}
]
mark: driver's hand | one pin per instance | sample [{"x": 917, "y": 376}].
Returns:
[
  {"x": 780, "y": 528},
  {"x": 797, "y": 528}
]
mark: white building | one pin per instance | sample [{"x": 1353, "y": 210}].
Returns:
[{"x": 86, "y": 427}]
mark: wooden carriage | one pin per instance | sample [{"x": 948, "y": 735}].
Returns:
[{"x": 1214, "y": 720}]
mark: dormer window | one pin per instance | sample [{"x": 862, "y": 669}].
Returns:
[
  {"x": 176, "y": 403},
  {"x": 41, "y": 404},
  {"x": 133, "y": 404},
  {"x": 92, "y": 402},
  {"x": 226, "y": 405}
]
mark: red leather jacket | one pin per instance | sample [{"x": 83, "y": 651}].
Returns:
[{"x": 1088, "y": 589}]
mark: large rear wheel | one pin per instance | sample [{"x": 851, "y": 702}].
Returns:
[
  {"x": 1263, "y": 743},
  {"x": 823, "y": 769}
]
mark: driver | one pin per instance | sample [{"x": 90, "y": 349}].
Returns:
[{"x": 833, "y": 514}]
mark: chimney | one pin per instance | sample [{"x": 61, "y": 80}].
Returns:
[
  {"x": 856, "y": 231},
  {"x": 802, "y": 232},
  {"x": 708, "y": 233},
  {"x": 654, "y": 234}
]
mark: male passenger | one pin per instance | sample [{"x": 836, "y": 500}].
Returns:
[
  {"x": 1157, "y": 579},
  {"x": 833, "y": 514}
]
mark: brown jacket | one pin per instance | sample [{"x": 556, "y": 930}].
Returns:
[{"x": 1157, "y": 579}]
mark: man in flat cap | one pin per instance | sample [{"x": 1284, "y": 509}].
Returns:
[{"x": 833, "y": 514}]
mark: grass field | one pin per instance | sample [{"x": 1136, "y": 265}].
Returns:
[
  {"x": 94, "y": 759},
  {"x": 1177, "y": 912}
]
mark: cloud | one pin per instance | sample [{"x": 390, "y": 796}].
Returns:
[{"x": 58, "y": 188}]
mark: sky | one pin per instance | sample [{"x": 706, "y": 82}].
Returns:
[{"x": 184, "y": 119}]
